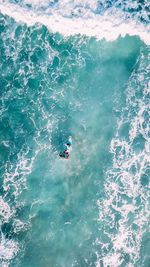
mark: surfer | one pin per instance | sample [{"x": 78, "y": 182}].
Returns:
[{"x": 66, "y": 152}]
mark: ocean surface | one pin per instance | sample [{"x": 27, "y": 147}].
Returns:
[{"x": 79, "y": 68}]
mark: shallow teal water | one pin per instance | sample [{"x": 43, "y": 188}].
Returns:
[{"x": 69, "y": 213}]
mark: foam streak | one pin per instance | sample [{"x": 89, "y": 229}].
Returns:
[{"x": 106, "y": 26}]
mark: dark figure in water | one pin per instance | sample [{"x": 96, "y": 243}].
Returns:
[{"x": 66, "y": 153}]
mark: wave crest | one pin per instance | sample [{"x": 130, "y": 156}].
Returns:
[{"x": 69, "y": 19}]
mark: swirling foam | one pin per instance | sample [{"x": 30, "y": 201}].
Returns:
[
  {"x": 107, "y": 25},
  {"x": 8, "y": 249},
  {"x": 124, "y": 213}
]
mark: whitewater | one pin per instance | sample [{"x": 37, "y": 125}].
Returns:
[{"x": 81, "y": 69}]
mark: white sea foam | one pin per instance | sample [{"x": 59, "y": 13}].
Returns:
[
  {"x": 14, "y": 183},
  {"x": 19, "y": 225},
  {"x": 126, "y": 195},
  {"x": 8, "y": 249},
  {"x": 5, "y": 210},
  {"x": 108, "y": 26}
]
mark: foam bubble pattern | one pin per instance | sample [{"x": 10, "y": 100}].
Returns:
[
  {"x": 124, "y": 213},
  {"x": 101, "y": 19}
]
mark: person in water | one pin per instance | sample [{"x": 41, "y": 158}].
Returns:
[{"x": 66, "y": 153}]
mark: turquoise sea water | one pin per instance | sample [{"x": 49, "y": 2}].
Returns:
[{"x": 93, "y": 209}]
